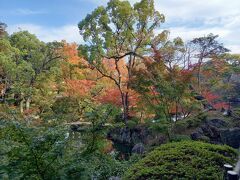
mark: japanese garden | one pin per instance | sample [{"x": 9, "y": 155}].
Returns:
[{"x": 127, "y": 100}]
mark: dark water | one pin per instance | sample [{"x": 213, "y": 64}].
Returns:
[{"x": 124, "y": 150}]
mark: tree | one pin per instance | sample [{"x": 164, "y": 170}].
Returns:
[
  {"x": 3, "y": 27},
  {"x": 164, "y": 93},
  {"x": 8, "y": 55},
  {"x": 164, "y": 84},
  {"x": 119, "y": 32},
  {"x": 206, "y": 47},
  {"x": 37, "y": 61}
]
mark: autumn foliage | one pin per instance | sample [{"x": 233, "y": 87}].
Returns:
[{"x": 215, "y": 100}]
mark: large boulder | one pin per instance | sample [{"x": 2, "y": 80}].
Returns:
[{"x": 217, "y": 131}]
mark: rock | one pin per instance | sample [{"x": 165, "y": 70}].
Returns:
[
  {"x": 217, "y": 131},
  {"x": 138, "y": 148},
  {"x": 231, "y": 137},
  {"x": 235, "y": 78},
  {"x": 133, "y": 136},
  {"x": 114, "y": 178},
  {"x": 74, "y": 127},
  {"x": 210, "y": 130},
  {"x": 77, "y": 128},
  {"x": 217, "y": 123},
  {"x": 235, "y": 102},
  {"x": 196, "y": 136}
]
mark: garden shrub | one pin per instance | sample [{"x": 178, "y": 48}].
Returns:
[
  {"x": 180, "y": 137},
  {"x": 197, "y": 120},
  {"x": 183, "y": 160}
]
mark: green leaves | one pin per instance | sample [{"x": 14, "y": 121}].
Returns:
[
  {"x": 118, "y": 29},
  {"x": 31, "y": 152},
  {"x": 183, "y": 160},
  {"x": 26, "y": 63},
  {"x": 208, "y": 46}
]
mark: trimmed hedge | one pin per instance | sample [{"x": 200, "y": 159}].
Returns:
[{"x": 183, "y": 160}]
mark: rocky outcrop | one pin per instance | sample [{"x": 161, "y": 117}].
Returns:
[
  {"x": 234, "y": 102},
  {"x": 136, "y": 137},
  {"x": 231, "y": 137},
  {"x": 217, "y": 131},
  {"x": 235, "y": 78},
  {"x": 210, "y": 131},
  {"x": 138, "y": 148}
]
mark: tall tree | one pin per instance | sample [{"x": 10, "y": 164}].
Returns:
[
  {"x": 119, "y": 31},
  {"x": 163, "y": 85},
  {"x": 206, "y": 47}
]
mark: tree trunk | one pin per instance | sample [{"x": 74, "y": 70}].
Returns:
[
  {"x": 176, "y": 113},
  {"x": 21, "y": 105},
  {"x": 28, "y": 101},
  {"x": 125, "y": 105},
  {"x": 198, "y": 79},
  {"x": 199, "y": 75}
]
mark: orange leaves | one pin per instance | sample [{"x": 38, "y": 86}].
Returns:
[
  {"x": 79, "y": 88},
  {"x": 215, "y": 100},
  {"x": 116, "y": 69},
  {"x": 221, "y": 105},
  {"x": 210, "y": 96},
  {"x": 74, "y": 66},
  {"x": 75, "y": 72},
  {"x": 71, "y": 54},
  {"x": 111, "y": 96}
]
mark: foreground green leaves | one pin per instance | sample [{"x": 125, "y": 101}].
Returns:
[
  {"x": 183, "y": 160},
  {"x": 51, "y": 150}
]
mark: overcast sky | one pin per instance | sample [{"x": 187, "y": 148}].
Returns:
[{"x": 57, "y": 19}]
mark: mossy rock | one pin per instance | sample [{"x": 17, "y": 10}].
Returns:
[{"x": 183, "y": 160}]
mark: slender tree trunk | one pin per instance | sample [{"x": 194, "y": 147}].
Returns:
[
  {"x": 125, "y": 106},
  {"x": 28, "y": 101},
  {"x": 22, "y": 105},
  {"x": 199, "y": 75},
  {"x": 176, "y": 115},
  {"x": 199, "y": 79}
]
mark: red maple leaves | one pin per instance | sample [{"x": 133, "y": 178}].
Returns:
[{"x": 215, "y": 100}]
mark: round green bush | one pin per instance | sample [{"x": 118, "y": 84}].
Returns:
[{"x": 183, "y": 160}]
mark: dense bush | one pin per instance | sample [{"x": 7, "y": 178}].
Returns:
[{"x": 183, "y": 160}]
